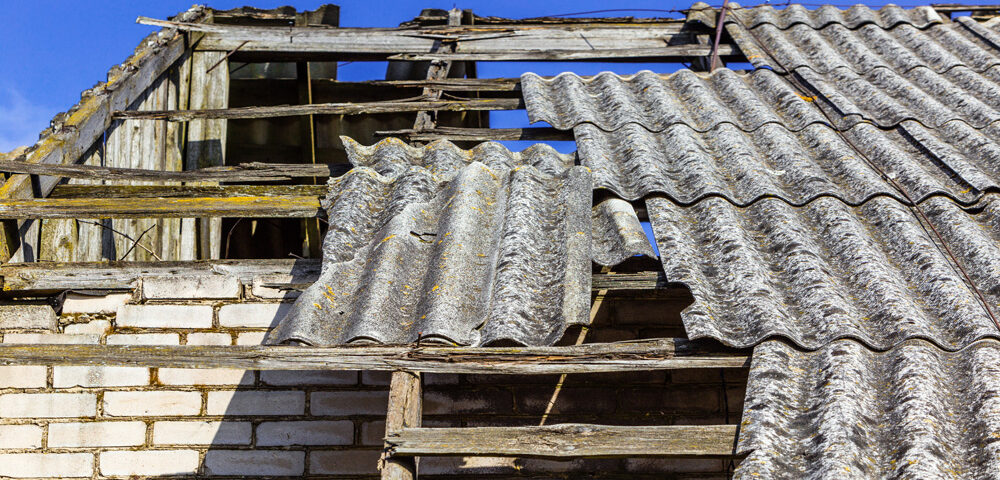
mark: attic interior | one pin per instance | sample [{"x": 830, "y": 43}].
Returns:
[{"x": 203, "y": 174}]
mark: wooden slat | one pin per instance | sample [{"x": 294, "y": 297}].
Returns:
[
  {"x": 568, "y": 441},
  {"x": 325, "y": 109},
  {"x": 662, "y": 354},
  {"x": 668, "y": 52},
  {"x": 176, "y": 207},
  {"x": 480, "y": 134},
  {"x": 50, "y": 277},
  {"x": 169, "y": 191},
  {"x": 247, "y": 172},
  {"x": 404, "y": 411}
]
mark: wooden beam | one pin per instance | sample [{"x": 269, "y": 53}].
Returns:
[
  {"x": 480, "y": 134},
  {"x": 170, "y": 191},
  {"x": 246, "y": 172},
  {"x": 295, "y": 274},
  {"x": 325, "y": 109},
  {"x": 568, "y": 441},
  {"x": 171, "y": 207},
  {"x": 404, "y": 411},
  {"x": 437, "y": 70},
  {"x": 661, "y": 354},
  {"x": 664, "y": 53}
]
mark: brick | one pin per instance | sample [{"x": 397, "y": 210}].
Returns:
[
  {"x": 33, "y": 376},
  {"x": 84, "y": 376},
  {"x": 95, "y": 327},
  {"x": 192, "y": 286},
  {"x": 160, "y": 462},
  {"x": 674, "y": 465},
  {"x": 442, "y": 379},
  {"x": 373, "y": 433},
  {"x": 164, "y": 316},
  {"x": 97, "y": 434},
  {"x": 123, "y": 404},
  {"x": 686, "y": 399},
  {"x": 349, "y": 403},
  {"x": 696, "y": 375},
  {"x": 283, "y": 434},
  {"x": 201, "y": 433},
  {"x": 493, "y": 400},
  {"x": 51, "y": 338},
  {"x": 62, "y": 465},
  {"x": 251, "y": 402},
  {"x": 250, "y": 338},
  {"x": 20, "y": 436},
  {"x": 77, "y": 303},
  {"x": 205, "y": 376},
  {"x": 209, "y": 339},
  {"x": 259, "y": 290},
  {"x": 376, "y": 378},
  {"x": 252, "y": 315},
  {"x": 345, "y": 462},
  {"x": 534, "y": 400},
  {"x": 48, "y": 405},
  {"x": 27, "y": 317},
  {"x": 308, "y": 377},
  {"x": 144, "y": 339},
  {"x": 254, "y": 462}
]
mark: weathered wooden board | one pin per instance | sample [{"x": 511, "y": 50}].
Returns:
[
  {"x": 480, "y": 134},
  {"x": 246, "y": 172},
  {"x": 568, "y": 441},
  {"x": 404, "y": 411},
  {"x": 168, "y": 191},
  {"x": 665, "y": 52},
  {"x": 169, "y": 207},
  {"x": 661, "y": 354}
]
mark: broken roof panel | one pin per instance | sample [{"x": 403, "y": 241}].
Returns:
[
  {"x": 848, "y": 412},
  {"x": 486, "y": 256},
  {"x": 700, "y": 101},
  {"x": 826, "y": 270}
]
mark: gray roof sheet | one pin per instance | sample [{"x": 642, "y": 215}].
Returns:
[
  {"x": 856, "y": 16},
  {"x": 850, "y": 413},
  {"x": 826, "y": 270}
]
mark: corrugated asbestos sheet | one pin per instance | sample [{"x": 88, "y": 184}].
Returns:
[
  {"x": 744, "y": 137},
  {"x": 468, "y": 247},
  {"x": 856, "y": 16},
  {"x": 846, "y": 412},
  {"x": 824, "y": 271}
]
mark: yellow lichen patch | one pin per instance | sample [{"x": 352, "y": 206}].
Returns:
[
  {"x": 387, "y": 238},
  {"x": 318, "y": 306}
]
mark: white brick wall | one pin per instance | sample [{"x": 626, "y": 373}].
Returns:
[
  {"x": 97, "y": 434},
  {"x": 164, "y": 316},
  {"x": 205, "y": 376},
  {"x": 20, "y": 436},
  {"x": 94, "y": 327},
  {"x": 199, "y": 338},
  {"x": 254, "y": 463},
  {"x": 202, "y": 433},
  {"x": 250, "y": 402},
  {"x": 62, "y": 465},
  {"x": 252, "y": 315},
  {"x": 165, "y": 462},
  {"x": 199, "y": 286},
  {"x": 31, "y": 376},
  {"x": 152, "y": 403},
  {"x": 144, "y": 339},
  {"x": 272, "y": 434},
  {"x": 51, "y": 338},
  {"x": 48, "y": 405},
  {"x": 76, "y": 303},
  {"x": 74, "y": 376},
  {"x": 27, "y": 317}
]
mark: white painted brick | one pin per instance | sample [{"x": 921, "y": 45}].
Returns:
[
  {"x": 76, "y": 303},
  {"x": 252, "y": 315},
  {"x": 86, "y": 376},
  {"x": 258, "y": 289},
  {"x": 250, "y": 338},
  {"x": 97, "y": 434},
  {"x": 164, "y": 316},
  {"x": 254, "y": 462},
  {"x": 27, "y": 316},
  {"x": 144, "y": 339},
  {"x": 201, "y": 433},
  {"x": 35, "y": 465},
  {"x": 250, "y": 402},
  {"x": 48, "y": 405},
  {"x": 161, "y": 462},
  {"x": 308, "y": 377},
  {"x": 95, "y": 327},
  {"x": 209, "y": 339},
  {"x": 123, "y": 404},
  {"x": 281, "y": 434},
  {"x": 51, "y": 338},
  {"x": 32, "y": 376},
  {"x": 193, "y": 286},
  {"x": 20, "y": 436},
  {"x": 205, "y": 376}
]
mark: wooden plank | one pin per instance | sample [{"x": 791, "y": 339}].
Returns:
[
  {"x": 660, "y": 354},
  {"x": 480, "y": 134},
  {"x": 246, "y": 172},
  {"x": 404, "y": 411},
  {"x": 438, "y": 70},
  {"x": 169, "y": 191},
  {"x": 206, "y": 139},
  {"x": 325, "y": 109},
  {"x": 665, "y": 53},
  {"x": 568, "y": 441},
  {"x": 176, "y": 207},
  {"x": 299, "y": 274}
]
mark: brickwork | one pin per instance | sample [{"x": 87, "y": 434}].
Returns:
[{"x": 126, "y": 422}]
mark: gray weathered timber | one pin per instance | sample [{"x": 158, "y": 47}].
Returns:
[
  {"x": 246, "y": 172},
  {"x": 662, "y": 354},
  {"x": 54, "y": 277},
  {"x": 325, "y": 109},
  {"x": 661, "y": 52},
  {"x": 568, "y": 441},
  {"x": 169, "y": 191},
  {"x": 166, "y": 207},
  {"x": 480, "y": 134},
  {"x": 404, "y": 411},
  {"x": 437, "y": 70}
]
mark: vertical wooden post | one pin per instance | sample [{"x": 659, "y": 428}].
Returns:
[
  {"x": 405, "y": 408},
  {"x": 312, "y": 242},
  {"x": 438, "y": 70}
]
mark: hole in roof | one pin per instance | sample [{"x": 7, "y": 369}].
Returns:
[
  {"x": 548, "y": 69},
  {"x": 648, "y": 228}
]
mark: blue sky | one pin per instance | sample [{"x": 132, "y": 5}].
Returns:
[{"x": 53, "y": 50}]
